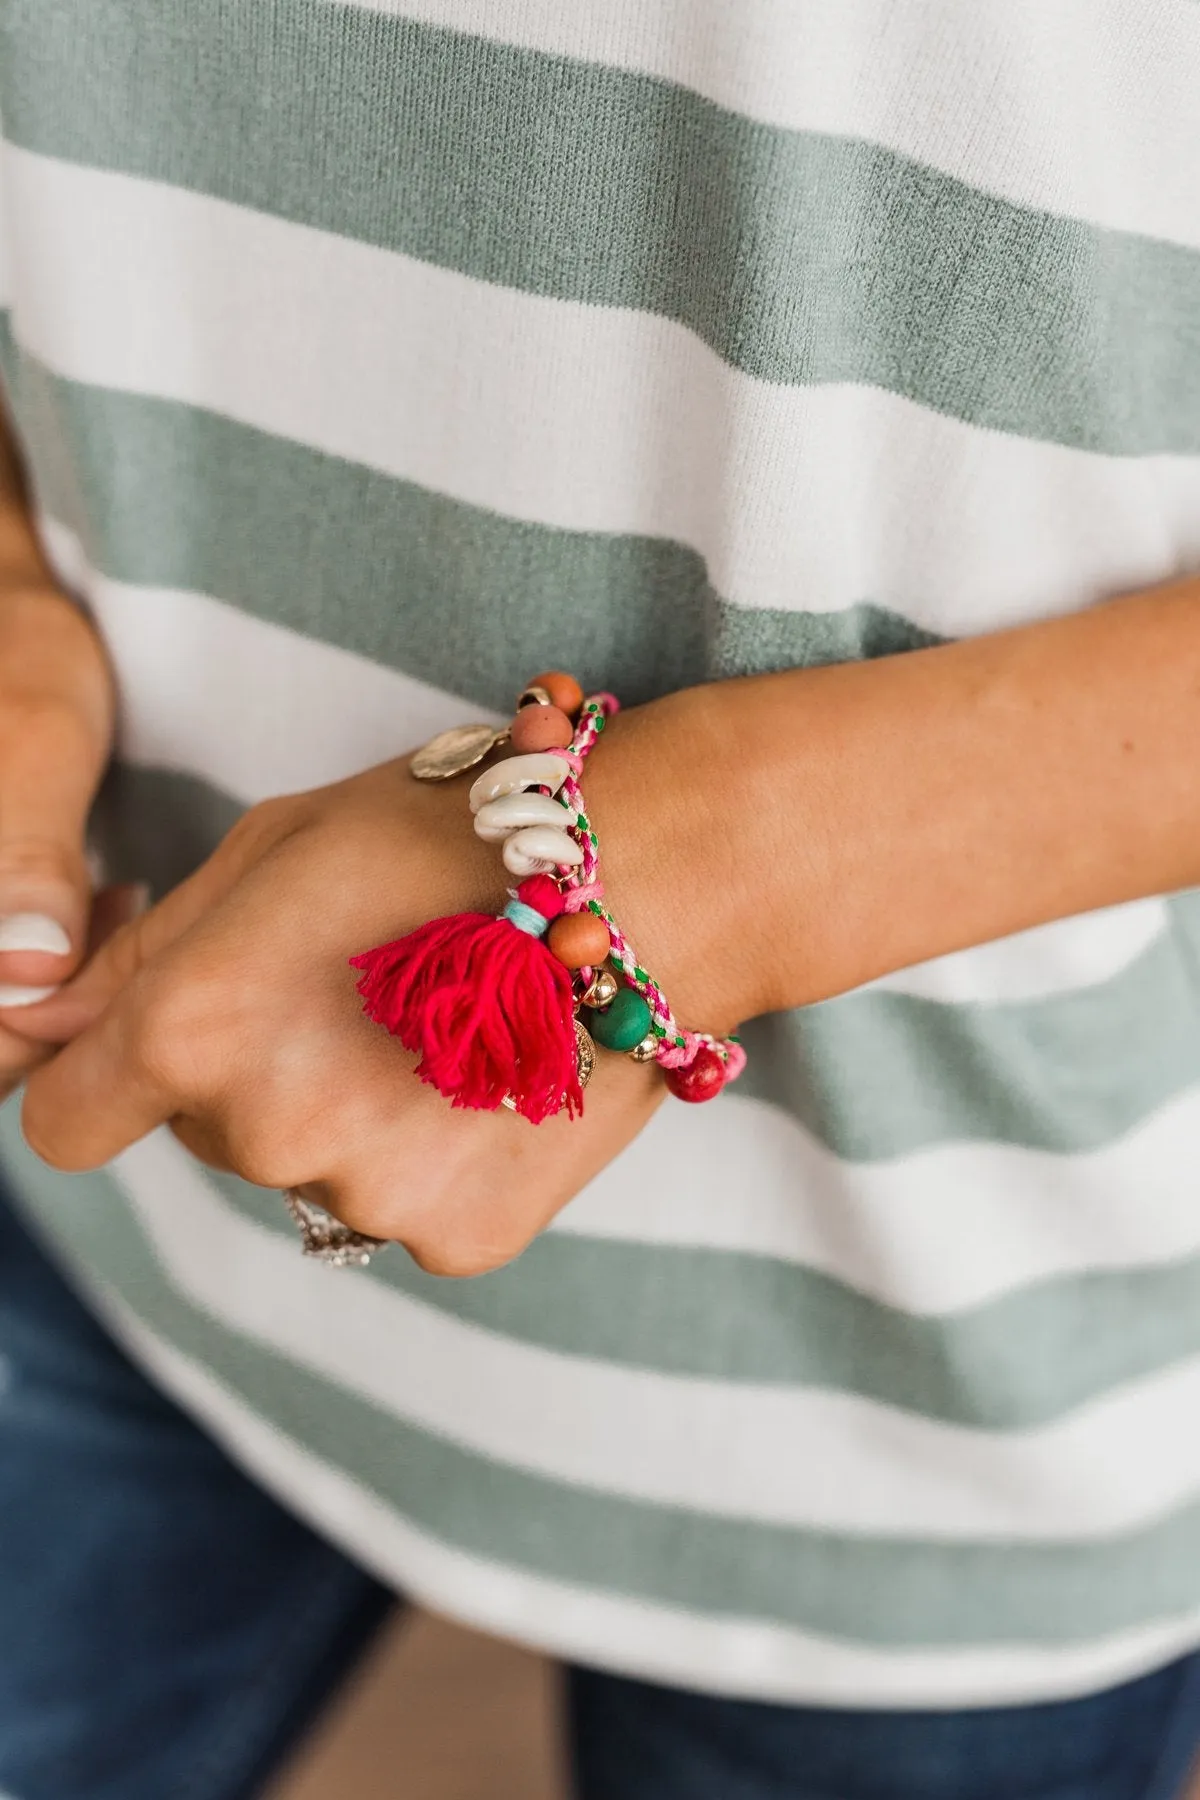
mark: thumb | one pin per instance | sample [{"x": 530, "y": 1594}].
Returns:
[{"x": 48, "y": 771}]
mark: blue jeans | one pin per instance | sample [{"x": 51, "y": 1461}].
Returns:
[{"x": 166, "y": 1631}]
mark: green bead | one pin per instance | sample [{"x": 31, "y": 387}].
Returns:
[{"x": 624, "y": 1024}]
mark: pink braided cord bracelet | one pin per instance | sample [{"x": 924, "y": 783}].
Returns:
[{"x": 583, "y": 890}]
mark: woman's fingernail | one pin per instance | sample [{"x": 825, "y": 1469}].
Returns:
[
  {"x": 11, "y": 995},
  {"x": 33, "y": 931}
]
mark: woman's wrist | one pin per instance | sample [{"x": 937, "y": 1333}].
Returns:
[
  {"x": 779, "y": 839},
  {"x": 669, "y": 792}
]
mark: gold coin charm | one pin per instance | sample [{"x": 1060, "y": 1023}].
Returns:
[
  {"x": 585, "y": 1062},
  {"x": 455, "y": 751},
  {"x": 585, "y": 1053}
]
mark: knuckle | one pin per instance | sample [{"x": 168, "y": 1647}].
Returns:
[
  {"x": 173, "y": 1037},
  {"x": 263, "y": 1166},
  {"x": 263, "y": 824},
  {"x": 458, "y": 1258},
  {"x": 48, "y": 724},
  {"x": 262, "y": 1152},
  {"x": 360, "y": 1215},
  {"x": 42, "y": 860}
]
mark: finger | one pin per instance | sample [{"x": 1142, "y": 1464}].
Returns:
[
  {"x": 54, "y": 731},
  {"x": 20, "y": 1055},
  {"x": 132, "y": 1018},
  {"x": 120, "y": 958},
  {"x": 101, "y": 1094},
  {"x": 18, "y": 1058},
  {"x": 112, "y": 908}
]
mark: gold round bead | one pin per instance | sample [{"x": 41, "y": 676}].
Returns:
[
  {"x": 646, "y": 1051},
  {"x": 601, "y": 990}
]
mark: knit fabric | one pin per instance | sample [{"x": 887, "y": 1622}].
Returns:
[{"x": 370, "y": 356}]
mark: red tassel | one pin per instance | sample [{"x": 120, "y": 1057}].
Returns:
[{"x": 485, "y": 1004}]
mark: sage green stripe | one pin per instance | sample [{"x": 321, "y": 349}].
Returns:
[
  {"x": 800, "y": 257},
  {"x": 169, "y": 495},
  {"x": 1011, "y": 1364},
  {"x": 157, "y": 825},
  {"x": 874, "y": 1075},
  {"x": 887, "y": 1592}
]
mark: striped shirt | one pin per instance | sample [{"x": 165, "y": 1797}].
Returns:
[{"x": 369, "y": 355}]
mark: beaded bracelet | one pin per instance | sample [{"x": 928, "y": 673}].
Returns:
[{"x": 492, "y": 1004}]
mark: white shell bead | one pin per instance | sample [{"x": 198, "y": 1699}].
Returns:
[
  {"x": 539, "y": 769},
  {"x": 538, "y": 849},
  {"x": 495, "y": 821}
]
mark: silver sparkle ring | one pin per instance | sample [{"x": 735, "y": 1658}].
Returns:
[{"x": 326, "y": 1239}]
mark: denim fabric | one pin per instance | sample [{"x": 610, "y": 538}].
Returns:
[
  {"x": 637, "y": 1742},
  {"x": 168, "y": 1631},
  {"x": 165, "y": 1628}
]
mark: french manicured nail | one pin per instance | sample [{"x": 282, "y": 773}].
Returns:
[
  {"x": 33, "y": 931},
  {"x": 11, "y": 995}
]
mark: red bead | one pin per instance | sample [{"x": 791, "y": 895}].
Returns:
[
  {"x": 541, "y": 728},
  {"x": 703, "y": 1079}
]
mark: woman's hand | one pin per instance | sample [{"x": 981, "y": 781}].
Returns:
[
  {"x": 766, "y": 843},
  {"x": 230, "y": 1011},
  {"x": 56, "y": 714}
]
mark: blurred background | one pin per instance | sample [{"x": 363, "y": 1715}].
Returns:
[{"x": 436, "y": 1713}]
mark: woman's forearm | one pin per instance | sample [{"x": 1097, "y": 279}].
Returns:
[{"x": 827, "y": 826}]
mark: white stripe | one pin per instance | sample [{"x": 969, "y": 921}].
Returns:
[
  {"x": 637, "y": 1637},
  {"x": 216, "y": 693},
  {"x": 1031, "y": 965},
  {"x": 776, "y": 1455},
  {"x": 933, "y": 1232},
  {"x": 586, "y": 418},
  {"x": 1074, "y": 106},
  {"x": 5, "y": 279}
]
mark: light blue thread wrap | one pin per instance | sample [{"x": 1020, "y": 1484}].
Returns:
[{"x": 526, "y": 918}]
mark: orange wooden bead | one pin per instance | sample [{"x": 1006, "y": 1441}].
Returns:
[
  {"x": 540, "y": 728},
  {"x": 564, "y": 691},
  {"x": 580, "y": 940}
]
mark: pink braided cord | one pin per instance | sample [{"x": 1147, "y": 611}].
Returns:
[{"x": 583, "y": 891}]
